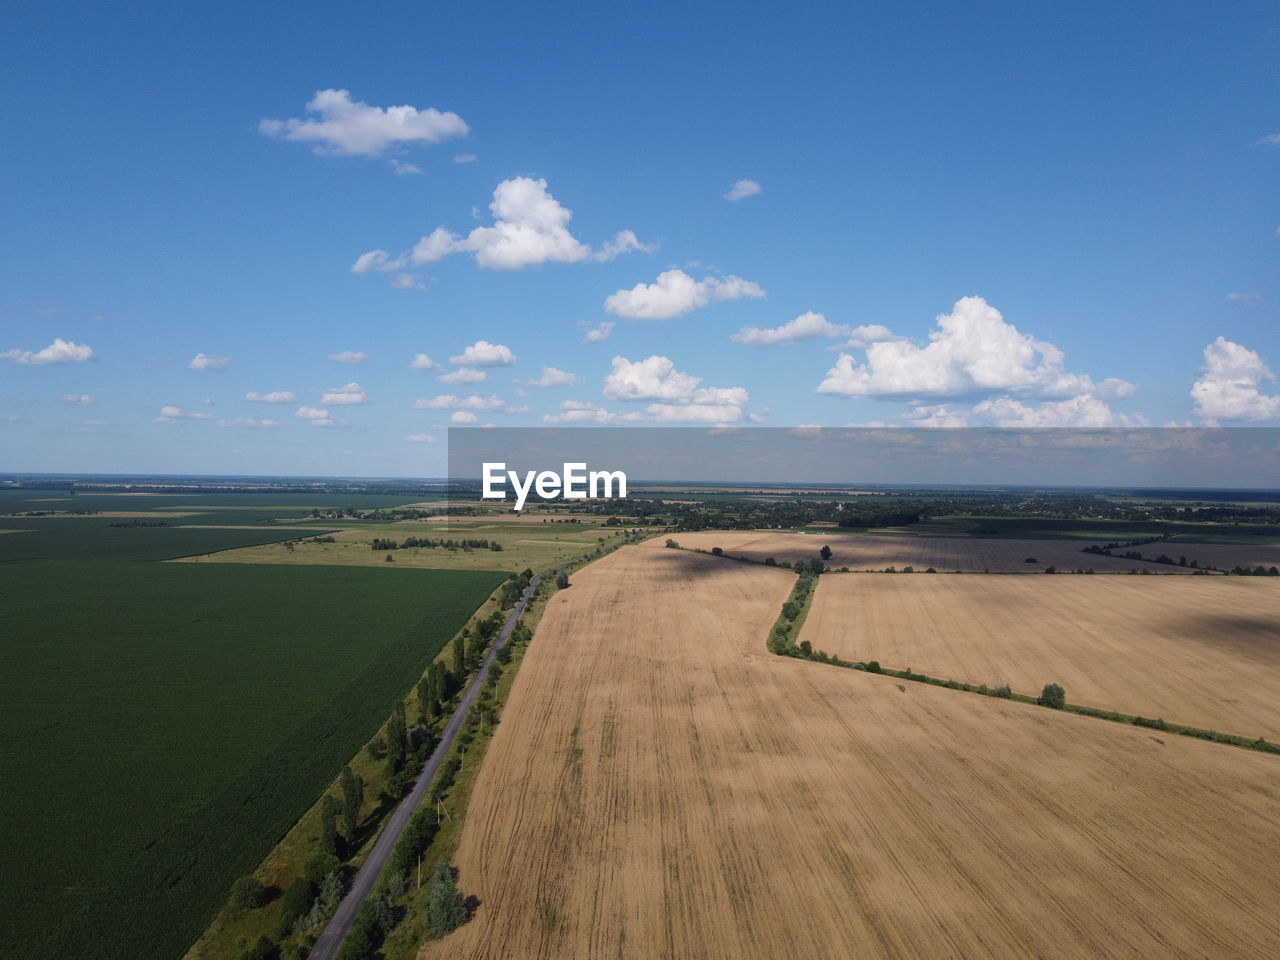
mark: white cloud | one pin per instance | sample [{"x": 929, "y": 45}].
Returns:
[
  {"x": 316, "y": 417},
  {"x": 675, "y": 293},
  {"x": 807, "y": 326},
  {"x": 171, "y": 413},
  {"x": 1271, "y": 139},
  {"x": 863, "y": 336},
  {"x": 420, "y": 438},
  {"x": 407, "y": 281},
  {"x": 972, "y": 351},
  {"x": 578, "y": 411},
  {"x": 447, "y": 401},
  {"x": 207, "y": 361},
  {"x": 275, "y": 396},
  {"x": 1085, "y": 410},
  {"x": 465, "y": 158},
  {"x": 421, "y": 361},
  {"x": 351, "y": 394},
  {"x": 743, "y": 189},
  {"x": 463, "y": 375},
  {"x": 482, "y": 353},
  {"x": 60, "y": 351},
  {"x": 78, "y": 399},
  {"x": 349, "y": 356},
  {"x": 530, "y": 228},
  {"x": 599, "y": 333},
  {"x": 462, "y": 416},
  {"x": 1228, "y": 386},
  {"x": 679, "y": 396},
  {"x": 1250, "y": 299},
  {"x": 404, "y": 169},
  {"x": 353, "y": 128},
  {"x": 250, "y": 423},
  {"x": 552, "y": 377}
]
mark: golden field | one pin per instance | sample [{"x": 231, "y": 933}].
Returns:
[
  {"x": 1203, "y": 651},
  {"x": 662, "y": 787}
]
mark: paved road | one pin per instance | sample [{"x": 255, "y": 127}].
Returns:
[{"x": 326, "y": 947}]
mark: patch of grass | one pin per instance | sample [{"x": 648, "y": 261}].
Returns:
[{"x": 163, "y": 725}]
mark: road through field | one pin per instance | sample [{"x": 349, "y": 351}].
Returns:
[
  {"x": 661, "y": 787},
  {"x": 335, "y": 931}
]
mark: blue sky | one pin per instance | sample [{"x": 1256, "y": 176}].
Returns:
[{"x": 1085, "y": 194}]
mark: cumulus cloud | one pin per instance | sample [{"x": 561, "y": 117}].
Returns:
[
  {"x": 462, "y": 416},
  {"x": 578, "y": 411},
  {"x": 807, "y": 326},
  {"x": 171, "y": 413},
  {"x": 678, "y": 395},
  {"x": 743, "y": 189},
  {"x": 552, "y": 377},
  {"x": 482, "y": 353},
  {"x": 973, "y": 351},
  {"x": 407, "y": 281},
  {"x": 530, "y": 227},
  {"x": 60, "y": 351},
  {"x": 1228, "y": 387},
  {"x": 1084, "y": 410},
  {"x": 863, "y": 336},
  {"x": 465, "y": 158},
  {"x": 447, "y": 401},
  {"x": 348, "y": 395},
  {"x": 404, "y": 169},
  {"x": 316, "y": 416},
  {"x": 1250, "y": 299},
  {"x": 675, "y": 293},
  {"x": 354, "y": 128},
  {"x": 78, "y": 399},
  {"x": 250, "y": 423},
  {"x": 421, "y": 361},
  {"x": 275, "y": 396},
  {"x": 463, "y": 375},
  {"x": 207, "y": 361},
  {"x": 1270, "y": 139},
  {"x": 598, "y": 333},
  {"x": 349, "y": 356},
  {"x": 420, "y": 438}
]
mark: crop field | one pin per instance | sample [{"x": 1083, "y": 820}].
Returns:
[
  {"x": 162, "y": 725},
  {"x": 661, "y": 786},
  {"x": 944, "y": 554},
  {"x": 259, "y": 504},
  {"x": 1203, "y": 652},
  {"x": 525, "y": 544},
  {"x": 1044, "y": 528},
  {"x": 54, "y": 538}
]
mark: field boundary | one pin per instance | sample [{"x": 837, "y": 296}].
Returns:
[{"x": 782, "y": 641}]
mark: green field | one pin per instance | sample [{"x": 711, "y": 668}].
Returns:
[{"x": 163, "y": 725}]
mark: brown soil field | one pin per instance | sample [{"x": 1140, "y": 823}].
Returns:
[
  {"x": 1203, "y": 652},
  {"x": 661, "y": 787},
  {"x": 945, "y": 554},
  {"x": 1222, "y": 555}
]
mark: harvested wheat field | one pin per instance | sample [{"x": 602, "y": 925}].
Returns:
[
  {"x": 1203, "y": 652},
  {"x": 946, "y": 554},
  {"x": 661, "y": 787}
]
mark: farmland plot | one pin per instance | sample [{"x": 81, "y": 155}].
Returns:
[
  {"x": 660, "y": 786},
  {"x": 1203, "y": 652},
  {"x": 878, "y": 551}
]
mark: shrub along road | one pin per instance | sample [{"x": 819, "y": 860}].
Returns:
[{"x": 330, "y": 940}]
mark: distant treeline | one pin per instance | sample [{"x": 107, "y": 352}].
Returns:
[{"x": 386, "y": 543}]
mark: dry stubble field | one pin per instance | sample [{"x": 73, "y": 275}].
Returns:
[
  {"x": 661, "y": 787},
  {"x": 1203, "y": 651}
]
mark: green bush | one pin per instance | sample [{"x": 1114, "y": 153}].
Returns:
[
  {"x": 296, "y": 903},
  {"x": 1003, "y": 692},
  {"x": 319, "y": 866},
  {"x": 248, "y": 893},
  {"x": 1053, "y": 695}
]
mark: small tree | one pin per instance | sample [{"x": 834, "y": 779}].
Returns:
[
  {"x": 825, "y": 552},
  {"x": 329, "y": 825},
  {"x": 1052, "y": 696},
  {"x": 264, "y": 949},
  {"x": 248, "y": 893},
  {"x": 672, "y": 544},
  {"x": 320, "y": 865},
  {"x": 562, "y": 580},
  {"x": 352, "y": 798},
  {"x": 446, "y": 909},
  {"x": 295, "y": 903}
]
